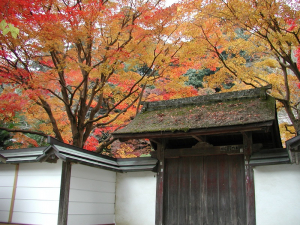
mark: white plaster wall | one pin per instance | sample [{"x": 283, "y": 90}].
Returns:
[
  {"x": 92, "y": 196},
  {"x": 7, "y": 174},
  {"x": 135, "y": 198},
  {"x": 277, "y": 194},
  {"x": 37, "y": 193}
]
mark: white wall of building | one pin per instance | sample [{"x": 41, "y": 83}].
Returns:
[
  {"x": 37, "y": 193},
  {"x": 277, "y": 195},
  {"x": 92, "y": 196},
  {"x": 135, "y": 198},
  {"x": 7, "y": 174}
]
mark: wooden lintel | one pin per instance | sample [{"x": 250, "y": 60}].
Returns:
[{"x": 211, "y": 150}]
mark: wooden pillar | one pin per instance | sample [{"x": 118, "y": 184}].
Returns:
[
  {"x": 160, "y": 184},
  {"x": 13, "y": 196},
  {"x": 249, "y": 182},
  {"x": 64, "y": 194}
]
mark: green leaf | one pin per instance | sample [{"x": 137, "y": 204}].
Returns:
[
  {"x": 14, "y": 30},
  {"x": 11, "y": 28},
  {"x": 3, "y": 24},
  {"x": 5, "y": 31},
  {"x": 14, "y": 34}
]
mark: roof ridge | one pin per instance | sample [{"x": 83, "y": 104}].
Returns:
[{"x": 250, "y": 93}]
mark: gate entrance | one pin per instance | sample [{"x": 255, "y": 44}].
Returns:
[
  {"x": 206, "y": 147},
  {"x": 205, "y": 190}
]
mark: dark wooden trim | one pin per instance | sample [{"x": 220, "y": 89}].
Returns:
[
  {"x": 249, "y": 179},
  {"x": 202, "y": 151},
  {"x": 156, "y": 140},
  {"x": 215, "y": 150},
  {"x": 64, "y": 193},
  {"x": 200, "y": 138},
  {"x": 13, "y": 196},
  {"x": 160, "y": 183},
  {"x": 248, "y": 145},
  {"x": 250, "y": 195}
]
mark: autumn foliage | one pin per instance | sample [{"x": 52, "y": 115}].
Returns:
[
  {"x": 248, "y": 43},
  {"x": 78, "y": 69}
]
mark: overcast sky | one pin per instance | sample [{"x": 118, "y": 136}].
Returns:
[{"x": 170, "y": 2}]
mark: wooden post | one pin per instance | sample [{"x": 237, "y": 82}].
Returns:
[
  {"x": 160, "y": 184},
  {"x": 13, "y": 196},
  {"x": 64, "y": 193},
  {"x": 249, "y": 182}
]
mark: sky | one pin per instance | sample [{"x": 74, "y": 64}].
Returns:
[{"x": 170, "y": 2}]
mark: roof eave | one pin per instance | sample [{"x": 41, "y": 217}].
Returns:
[
  {"x": 73, "y": 154},
  {"x": 203, "y": 131}
]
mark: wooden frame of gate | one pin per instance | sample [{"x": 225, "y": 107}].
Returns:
[{"x": 163, "y": 153}]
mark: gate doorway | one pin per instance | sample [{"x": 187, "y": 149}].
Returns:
[{"x": 205, "y": 190}]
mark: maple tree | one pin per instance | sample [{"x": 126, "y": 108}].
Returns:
[
  {"x": 256, "y": 42},
  {"x": 75, "y": 70},
  {"x": 131, "y": 148}
]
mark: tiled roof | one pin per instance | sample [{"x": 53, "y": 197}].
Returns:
[{"x": 58, "y": 150}]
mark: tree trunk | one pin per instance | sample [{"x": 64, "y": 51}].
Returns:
[{"x": 295, "y": 121}]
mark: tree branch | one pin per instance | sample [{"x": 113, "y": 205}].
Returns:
[{"x": 24, "y": 131}]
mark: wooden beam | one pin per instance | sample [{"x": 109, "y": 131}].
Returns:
[
  {"x": 248, "y": 145},
  {"x": 212, "y": 150},
  {"x": 13, "y": 196},
  {"x": 64, "y": 193},
  {"x": 249, "y": 179},
  {"x": 160, "y": 183},
  {"x": 156, "y": 140},
  {"x": 199, "y": 138}
]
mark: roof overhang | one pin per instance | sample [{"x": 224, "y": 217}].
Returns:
[
  {"x": 293, "y": 147},
  {"x": 261, "y": 126},
  {"x": 270, "y": 157}
]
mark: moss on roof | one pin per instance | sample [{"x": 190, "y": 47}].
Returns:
[{"x": 205, "y": 114}]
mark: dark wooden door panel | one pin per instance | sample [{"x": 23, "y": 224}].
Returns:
[{"x": 205, "y": 190}]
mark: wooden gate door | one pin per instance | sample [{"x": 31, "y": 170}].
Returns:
[{"x": 204, "y": 190}]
